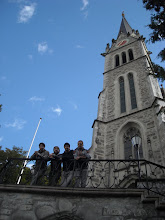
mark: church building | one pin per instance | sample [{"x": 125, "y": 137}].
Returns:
[{"x": 130, "y": 104}]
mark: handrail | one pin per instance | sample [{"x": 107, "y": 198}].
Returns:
[{"x": 140, "y": 174}]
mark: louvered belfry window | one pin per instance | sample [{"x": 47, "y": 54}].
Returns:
[
  {"x": 124, "y": 59},
  {"x": 122, "y": 95},
  {"x": 130, "y": 52},
  {"x": 117, "y": 61},
  {"x": 132, "y": 91}
]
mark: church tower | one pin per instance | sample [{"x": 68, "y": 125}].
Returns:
[{"x": 131, "y": 102}]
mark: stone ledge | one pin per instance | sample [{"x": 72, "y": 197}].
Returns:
[{"x": 63, "y": 191}]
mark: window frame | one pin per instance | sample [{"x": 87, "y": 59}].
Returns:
[
  {"x": 117, "y": 60},
  {"x": 130, "y": 54},
  {"x": 122, "y": 95},
  {"x": 132, "y": 91}
]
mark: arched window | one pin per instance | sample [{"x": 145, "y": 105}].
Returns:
[
  {"x": 131, "y": 152},
  {"x": 130, "y": 52},
  {"x": 122, "y": 95},
  {"x": 124, "y": 59},
  {"x": 132, "y": 91},
  {"x": 117, "y": 61}
]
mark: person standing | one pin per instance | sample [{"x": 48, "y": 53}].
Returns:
[
  {"x": 55, "y": 172},
  {"x": 41, "y": 158},
  {"x": 81, "y": 167},
  {"x": 68, "y": 166}
]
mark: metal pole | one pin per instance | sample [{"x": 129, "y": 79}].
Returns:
[
  {"x": 25, "y": 162},
  {"x": 138, "y": 159}
]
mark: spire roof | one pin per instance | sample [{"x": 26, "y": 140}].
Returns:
[{"x": 124, "y": 27}]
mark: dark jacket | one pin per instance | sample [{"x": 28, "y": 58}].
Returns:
[
  {"x": 81, "y": 163},
  {"x": 56, "y": 163},
  {"x": 68, "y": 161},
  {"x": 40, "y": 164}
]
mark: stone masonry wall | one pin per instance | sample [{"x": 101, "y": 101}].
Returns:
[
  {"x": 109, "y": 143},
  {"x": 133, "y": 44},
  {"x": 144, "y": 94},
  {"x": 148, "y": 129},
  {"x": 50, "y": 204}
]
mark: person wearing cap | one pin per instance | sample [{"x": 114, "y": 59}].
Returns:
[{"x": 41, "y": 158}]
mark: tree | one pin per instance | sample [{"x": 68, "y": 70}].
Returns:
[
  {"x": 158, "y": 30},
  {"x": 10, "y": 169}
]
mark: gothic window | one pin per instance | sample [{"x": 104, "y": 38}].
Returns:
[
  {"x": 117, "y": 61},
  {"x": 130, "y": 52},
  {"x": 132, "y": 91},
  {"x": 122, "y": 95},
  {"x": 131, "y": 152},
  {"x": 124, "y": 59}
]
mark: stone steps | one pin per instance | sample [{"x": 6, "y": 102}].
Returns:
[{"x": 158, "y": 200}]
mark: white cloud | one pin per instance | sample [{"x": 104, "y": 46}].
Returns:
[
  {"x": 1, "y": 138},
  {"x": 57, "y": 110},
  {"x": 79, "y": 46},
  {"x": 74, "y": 105},
  {"x": 42, "y": 47},
  {"x": 36, "y": 99},
  {"x": 85, "y": 4},
  {"x": 26, "y": 13},
  {"x": 18, "y": 124}
]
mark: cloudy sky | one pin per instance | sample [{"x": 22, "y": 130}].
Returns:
[{"x": 50, "y": 66}]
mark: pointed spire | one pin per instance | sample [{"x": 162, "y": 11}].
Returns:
[{"x": 124, "y": 27}]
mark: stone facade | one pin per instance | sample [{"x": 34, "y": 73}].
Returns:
[
  {"x": 148, "y": 117},
  {"x": 36, "y": 203}
]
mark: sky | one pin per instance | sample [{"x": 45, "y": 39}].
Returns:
[{"x": 51, "y": 68}]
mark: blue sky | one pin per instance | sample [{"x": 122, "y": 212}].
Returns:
[{"x": 50, "y": 66}]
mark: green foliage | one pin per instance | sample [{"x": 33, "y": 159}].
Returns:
[
  {"x": 16, "y": 152},
  {"x": 160, "y": 72},
  {"x": 157, "y": 26},
  {"x": 157, "y": 19},
  {"x": 10, "y": 174},
  {"x": 162, "y": 54}
]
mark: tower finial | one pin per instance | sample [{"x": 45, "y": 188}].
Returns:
[{"x": 123, "y": 15}]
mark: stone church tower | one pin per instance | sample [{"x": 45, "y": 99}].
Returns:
[{"x": 130, "y": 103}]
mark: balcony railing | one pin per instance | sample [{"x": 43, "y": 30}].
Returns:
[{"x": 135, "y": 174}]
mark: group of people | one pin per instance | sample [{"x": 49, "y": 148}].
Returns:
[{"x": 74, "y": 169}]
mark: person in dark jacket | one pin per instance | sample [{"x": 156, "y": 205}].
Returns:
[
  {"x": 68, "y": 165},
  {"x": 81, "y": 166},
  {"x": 55, "y": 172},
  {"x": 41, "y": 164}
]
